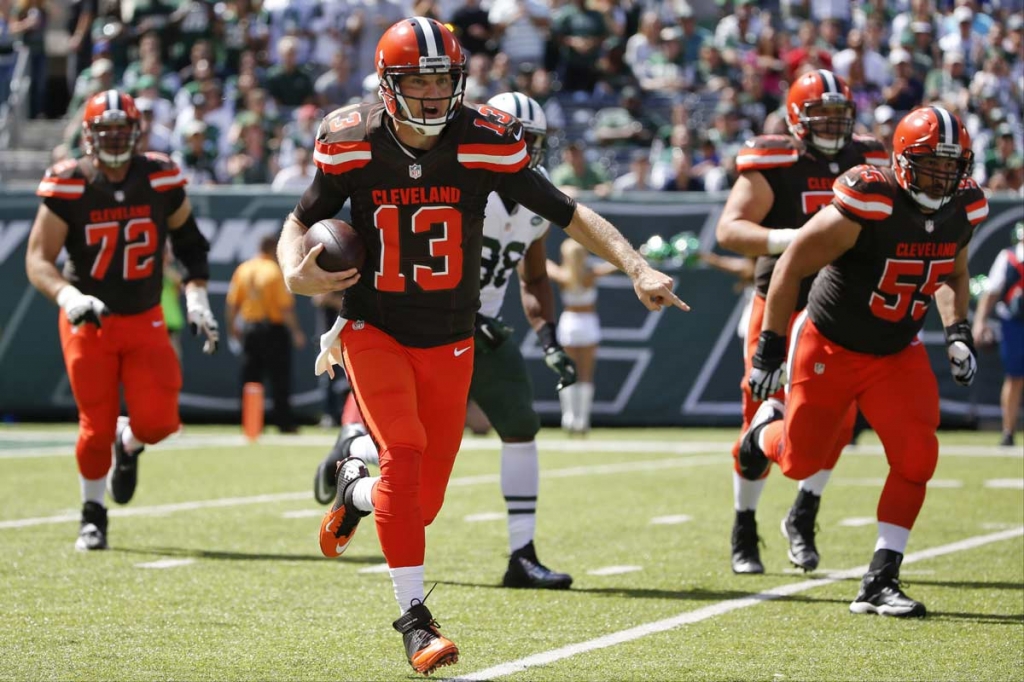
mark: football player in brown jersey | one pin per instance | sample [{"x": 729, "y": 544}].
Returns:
[
  {"x": 784, "y": 181},
  {"x": 892, "y": 240},
  {"x": 113, "y": 210},
  {"x": 418, "y": 168}
]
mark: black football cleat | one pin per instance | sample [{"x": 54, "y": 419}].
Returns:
[
  {"x": 425, "y": 647},
  {"x": 525, "y": 570},
  {"x": 880, "y": 591},
  {"x": 92, "y": 530},
  {"x": 746, "y": 551},
  {"x": 326, "y": 478},
  {"x": 752, "y": 460},
  {"x": 341, "y": 520},
  {"x": 799, "y": 527},
  {"x": 124, "y": 474}
]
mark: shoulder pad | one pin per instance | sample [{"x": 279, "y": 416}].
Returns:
[
  {"x": 974, "y": 201},
  {"x": 164, "y": 174},
  {"x": 768, "y": 151},
  {"x": 493, "y": 141},
  {"x": 62, "y": 181},
  {"x": 342, "y": 142},
  {"x": 864, "y": 193},
  {"x": 872, "y": 149}
]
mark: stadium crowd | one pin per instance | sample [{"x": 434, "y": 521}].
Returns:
[{"x": 656, "y": 94}]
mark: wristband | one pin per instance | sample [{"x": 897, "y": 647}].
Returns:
[
  {"x": 778, "y": 240},
  {"x": 66, "y": 293},
  {"x": 546, "y": 335}
]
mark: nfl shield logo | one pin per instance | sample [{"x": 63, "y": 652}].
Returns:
[
  {"x": 119, "y": 196},
  {"x": 834, "y": 167},
  {"x": 929, "y": 225},
  {"x": 358, "y": 324},
  {"x": 415, "y": 171},
  {"x": 819, "y": 368}
]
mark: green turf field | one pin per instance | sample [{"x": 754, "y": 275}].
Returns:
[{"x": 215, "y": 574}]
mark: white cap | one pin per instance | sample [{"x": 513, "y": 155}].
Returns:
[
  {"x": 900, "y": 56},
  {"x": 884, "y": 114},
  {"x": 963, "y": 13}
]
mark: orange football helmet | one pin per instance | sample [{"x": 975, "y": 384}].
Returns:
[
  {"x": 830, "y": 127},
  {"x": 931, "y": 155},
  {"x": 420, "y": 46},
  {"x": 110, "y": 127}
]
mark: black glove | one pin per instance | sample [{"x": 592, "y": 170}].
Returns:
[
  {"x": 963, "y": 359},
  {"x": 490, "y": 332},
  {"x": 768, "y": 373},
  {"x": 555, "y": 356}
]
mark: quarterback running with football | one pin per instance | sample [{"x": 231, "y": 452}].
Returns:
[
  {"x": 892, "y": 240},
  {"x": 513, "y": 241},
  {"x": 784, "y": 181},
  {"x": 113, "y": 210},
  {"x": 419, "y": 168}
]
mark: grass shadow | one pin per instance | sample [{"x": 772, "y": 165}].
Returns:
[{"x": 223, "y": 555}]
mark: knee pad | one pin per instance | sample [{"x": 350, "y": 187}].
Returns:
[
  {"x": 915, "y": 459},
  {"x": 93, "y": 454}
]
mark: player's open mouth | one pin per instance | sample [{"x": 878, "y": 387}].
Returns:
[{"x": 431, "y": 112}]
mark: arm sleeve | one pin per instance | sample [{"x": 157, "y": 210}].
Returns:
[
  {"x": 535, "y": 192},
  {"x": 322, "y": 199}
]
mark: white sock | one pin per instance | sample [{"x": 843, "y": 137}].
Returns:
[
  {"x": 816, "y": 483},
  {"x": 93, "y": 490},
  {"x": 520, "y": 480},
  {"x": 585, "y": 399},
  {"x": 892, "y": 537},
  {"x": 362, "y": 493},
  {"x": 408, "y": 582},
  {"x": 746, "y": 494},
  {"x": 567, "y": 397},
  {"x": 364, "y": 449},
  {"x": 130, "y": 442}
]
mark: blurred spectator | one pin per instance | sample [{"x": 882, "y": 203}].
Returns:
[
  {"x": 638, "y": 178},
  {"x": 294, "y": 20},
  {"x": 876, "y": 69},
  {"x": 865, "y": 94},
  {"x": 1002, "y": 163},
  {"x": 30, "y": 23},
  {"x": 80, "y": 16},
  {"x": 366, "y": 23},
  {"x": 575, "y": 173},
  {"x": 334, "y": 88},
  {"x": 964, "y": 39},
  {"x": 580, "y": 33},
  {"x": 766, "y": 62},
  {"x": 540, "y": 91},
  {"x": 288, "y": 83},
  {"x": 906, "y": 91},
  {"x": 806, "y": 54},
  {"x": 662, "y": 70},
  {"x": 297, "y": 175},
  {"x": 251, "y": 162},
  {"x": 478, "y": 78},
  {"x": 197, "y": 157},
  {"x": 473, "y": 28},
  {"x": 98, "y": 77},
  {"x": 736, "y": 33},
  {"x": 298, "y": 134},
  {"x": 922, "y": 48},
  {"x": 8, "y": 57},
  {"x": 110, "y": 30},
  {"x": 195, "y": 21},
  {"x": 644, "y": 42},
  {"x": 628, "y": 123},
  {"x": 682, "y": 179},
  {"x": 155, "y": 136},
  {"x": 754, "y": 103},
  {"x": 521, "y": 28},
  {"x": 694, "y": 35},
  {"x": 246, "y": 28},
  {"x": 883, "y": 125},
  {"x": 949, "y": 83}
]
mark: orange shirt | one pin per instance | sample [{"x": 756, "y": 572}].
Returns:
[{"x": 258, "y": 291}]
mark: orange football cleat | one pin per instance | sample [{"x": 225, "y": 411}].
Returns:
[{"x": 340, "y": 523}]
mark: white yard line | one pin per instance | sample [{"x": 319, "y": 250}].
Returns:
[
  {"x": 166, "y": 563},
  {"x": 721, "y": 608},
  {"x": 460, "y": 481}
]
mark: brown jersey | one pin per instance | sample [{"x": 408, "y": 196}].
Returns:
[
  {"x": 801, "y": 179},
  {"x": 421, "y": 214},
  {"x": 116, "y": 232},
  {"x": 874, "y": 297}
]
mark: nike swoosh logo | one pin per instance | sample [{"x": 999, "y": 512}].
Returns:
[
  {"x": 158, "y": 324},
  {"x": 460, "y": 351},
  {"x": 849, "y": 181},
  {"x": 519, "y": 134}
]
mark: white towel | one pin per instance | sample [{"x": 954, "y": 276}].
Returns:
[{"x": 330, "y": 349}]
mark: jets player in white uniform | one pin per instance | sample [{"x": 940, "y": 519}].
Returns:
[{"x": 513, "y": 240}]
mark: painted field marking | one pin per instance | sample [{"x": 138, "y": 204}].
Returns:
[
  {"x": 721, "y": 608},
  {"x": 1009, "y": 483},
  {"x": 857, "y": 521},
  {"x": 615, "y": 570},
  {"x": 302, "y": 513},
  {"x": 670, "y": 520},
  {"x": 166, "y": 563},
  {"x": 157, "y": 510},
  {"x": 376, "y": 568},
  {"x": 485, "y": 516}
]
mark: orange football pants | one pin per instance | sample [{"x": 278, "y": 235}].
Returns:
[
  {"x": 832, "y": 452},
  {"x": 133, "y": 351},
  {"x": 897, "y": 393},
  {"x": 413, "y": 401}
]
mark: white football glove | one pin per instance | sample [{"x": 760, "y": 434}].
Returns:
[
  {"x": 79, "y": 308},
  {"x": 963, "y": 361},
  {"x": 768, "y": 373},
  {"x": 200, "y": 317},
  {"x": 330, "y": 349}
]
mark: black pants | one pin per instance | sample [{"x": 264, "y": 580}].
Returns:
[{"x": 267, "y": 352}]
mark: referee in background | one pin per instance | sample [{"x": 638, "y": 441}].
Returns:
[{"x": 269, "y": 327}]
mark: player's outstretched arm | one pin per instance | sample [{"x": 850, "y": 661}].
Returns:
[
  {"x": 301, "y": 273},
  {"x": 601, "y": 238},
  {"x": 739, "y": 227}
]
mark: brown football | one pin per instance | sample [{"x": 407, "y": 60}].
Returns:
[{"x": 343, "y": 248}]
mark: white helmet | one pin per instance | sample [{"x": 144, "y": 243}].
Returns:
[{"x": 531, "y": 115}]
